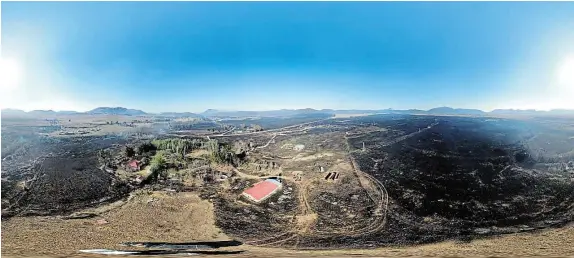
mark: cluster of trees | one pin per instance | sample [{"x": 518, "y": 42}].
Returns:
[
  {"x": 178, "y": 146},
  {"x": 191, "y": 125},
  {"x": 220, "y": 153},
  {"x": 120, "y": 123},
  {"x": 220, "y": 129},
  {"x": 140, "y": 149},
  {"x": 126, "y": 123},
  {"x": 145, "y": 148},
  {"x": 170, "y": 153},
  {"x": 169, "y": 149},
  {"x": 255, "y": 127}
]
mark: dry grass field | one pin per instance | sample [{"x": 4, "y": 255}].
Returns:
[{"x": 151, "y": 216}]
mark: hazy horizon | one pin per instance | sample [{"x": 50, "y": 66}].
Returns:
[
  {"x": 194, "y": 56},
  {"x": 267, "y": 110}
]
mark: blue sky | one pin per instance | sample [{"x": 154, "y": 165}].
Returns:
[{"x": 191, "y": 56}]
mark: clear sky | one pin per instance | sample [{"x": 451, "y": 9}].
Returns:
[{"x": 191, "y": 56}]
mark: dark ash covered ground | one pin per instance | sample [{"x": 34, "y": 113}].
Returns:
[
  {"x": 447, "y": 178},
  {"x": 44, "y": 175},
  {"x": 467, "y": 177}
]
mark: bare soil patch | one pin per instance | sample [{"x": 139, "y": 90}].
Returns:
[{"x": 154, "y": 216}]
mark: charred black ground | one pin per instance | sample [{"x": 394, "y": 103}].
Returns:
[
  {"x": 472, "y": 176},
  {"x": 47, "y": 176}
]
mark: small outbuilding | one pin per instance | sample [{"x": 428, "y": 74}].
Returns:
[
  {"x": 262, "y": 190},
  {"x": 134, "y": 165}
]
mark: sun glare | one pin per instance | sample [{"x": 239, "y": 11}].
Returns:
[
  {"x": 10, "y": 75},
  {"x": 566, "y": 73}
]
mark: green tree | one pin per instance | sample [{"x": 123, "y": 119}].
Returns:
[
  {"x": 257, "y": 128},
  {"x": 158, "y": 165},
  {"x": 145, "y": 147},
  {"x": 212, "y": 146},
  {"x": 158, "y": 160},
  {"x": 129, "y": 152}
]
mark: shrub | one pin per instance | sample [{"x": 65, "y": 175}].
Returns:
[
  {"x": 144, "y": 147},
  {"x": 129, "y": 152}
]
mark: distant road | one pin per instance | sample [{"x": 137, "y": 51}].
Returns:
[
  {"x": 225, "y": 134},
  {"x": 394, "y": 141},
  {"x": 267, "y": 144},
  {"x": 271, "y": 130},
  {"x": 404, "y": 137}
]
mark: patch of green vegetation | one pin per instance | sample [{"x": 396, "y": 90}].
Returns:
[
  {"x": 221, "y": 153},
  {"x": 158, "y": 165},
  {"x": 177, "y": 146},
  {"x": 170, "y": 157}
]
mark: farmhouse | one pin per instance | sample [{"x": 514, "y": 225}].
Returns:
[
  {"x": 134, "y": 165},
  {"x": 262, "y": 190}
]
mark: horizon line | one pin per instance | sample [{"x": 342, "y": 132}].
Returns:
[{"x": 286, "y": 109}]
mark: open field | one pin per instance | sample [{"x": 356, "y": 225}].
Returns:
[{"x": 147, "y": 216}]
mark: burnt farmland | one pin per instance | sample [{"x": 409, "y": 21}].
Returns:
[
  {"x": 478, "y": 176},
  {"x": 50, "y": 175},
  {"x": 403, "y": 179},
  {"x": 446, "y": 178}
]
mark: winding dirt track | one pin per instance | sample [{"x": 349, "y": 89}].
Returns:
[
  {"x": 267, "y": 144},
  {"x": 379, "y": 223},
  {"x": 378, "y": 195},
  {"x": 383, "y": 204}
]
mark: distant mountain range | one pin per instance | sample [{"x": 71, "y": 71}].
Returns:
[
  {"x": 213, "y": 113},
  {"x": 176, "y": 114},
  {"x": 116, "y": 111},
  {"x": 433, "y": 111},
  {"x": 457, "y": 111},
  {"x": 49, "y": 113}
]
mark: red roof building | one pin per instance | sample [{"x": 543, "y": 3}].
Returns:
[
  {"x": 262, "y": 190},
  {"x": 134, "y": 164}
]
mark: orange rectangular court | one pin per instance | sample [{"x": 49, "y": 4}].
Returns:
[{"x": 262, "y": 190}]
